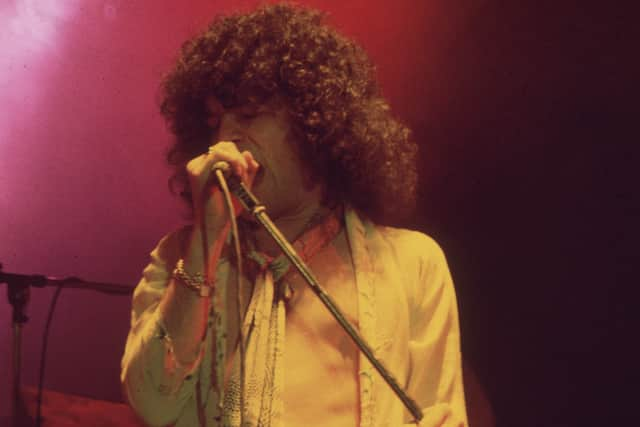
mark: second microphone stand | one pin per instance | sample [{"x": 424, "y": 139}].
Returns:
[{"x": 18, "y": 293}]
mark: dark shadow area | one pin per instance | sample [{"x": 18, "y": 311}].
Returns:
[{"x": 530, "y": 188}]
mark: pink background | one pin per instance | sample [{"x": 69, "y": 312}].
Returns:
[
  {"x": 516, "y": 106},
  {"x": 83, "y": 182}
]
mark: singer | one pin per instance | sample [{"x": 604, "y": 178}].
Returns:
[{"x": 293, "y": 107}]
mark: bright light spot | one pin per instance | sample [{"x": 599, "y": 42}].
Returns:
[
  {"x": 30, "y": 31},
  {"x": 29, "y": 26}
]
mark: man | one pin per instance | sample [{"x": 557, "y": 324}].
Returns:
[{"x": 294, "y": 109}]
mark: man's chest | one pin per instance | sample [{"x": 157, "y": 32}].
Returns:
[
  {"x": 307, "y": 315},
  {"x": 321, "y": 362}
]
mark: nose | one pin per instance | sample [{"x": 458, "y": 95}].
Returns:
[{"x": 229, "y": 128}]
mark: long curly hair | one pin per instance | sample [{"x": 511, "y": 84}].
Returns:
[{"x": 349, "y": 138}]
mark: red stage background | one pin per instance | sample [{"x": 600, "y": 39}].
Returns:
[{"x": 516, "y": 106}]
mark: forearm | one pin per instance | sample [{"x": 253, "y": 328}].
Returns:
[
  {"x": 170, "y": 320},
  {"x": 184, "y": 312},
  {"x": 169, "y": 325}
]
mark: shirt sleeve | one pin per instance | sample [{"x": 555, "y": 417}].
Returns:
[
  {"x": 154, "y": 382},
  {"x": 435, "y": 363}
]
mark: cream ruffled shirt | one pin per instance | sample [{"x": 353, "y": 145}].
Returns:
[{"x": 407, "y": 312}]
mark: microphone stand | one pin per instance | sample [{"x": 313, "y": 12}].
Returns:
[
  {"x": 18, "y": 293},
  {"x": 251, "y": 204}
]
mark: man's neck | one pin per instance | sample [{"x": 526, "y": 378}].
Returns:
[{"x": 291, "y": 225}]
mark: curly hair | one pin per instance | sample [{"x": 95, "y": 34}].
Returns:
[{"x": 349, "y": 137}]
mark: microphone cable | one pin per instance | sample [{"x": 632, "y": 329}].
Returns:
[{"x": 218, "y": 169}]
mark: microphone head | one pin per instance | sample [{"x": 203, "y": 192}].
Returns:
[{"x": 223, "y": 167}]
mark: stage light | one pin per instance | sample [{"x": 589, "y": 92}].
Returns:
[{"x": 30, "y": 32}]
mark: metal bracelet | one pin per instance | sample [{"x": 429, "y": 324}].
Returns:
[{"x": 196, "y": 282}]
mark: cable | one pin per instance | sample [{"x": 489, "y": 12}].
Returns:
[
  {"x": 239, "y": 300},
  {"x": 43, "y": 355}
]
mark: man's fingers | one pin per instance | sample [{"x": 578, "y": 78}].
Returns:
[
  {"x": 242, "y": 164},
  {"x": 253, "y": 165},
  {"x": 228, "y": 152}
]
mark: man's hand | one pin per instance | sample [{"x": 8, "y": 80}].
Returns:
[{"x": 208, "y": 201}]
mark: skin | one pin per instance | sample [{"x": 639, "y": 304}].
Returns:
[
  {"x": 258, "y": 143},
  {"x": 263, "y": 134}
]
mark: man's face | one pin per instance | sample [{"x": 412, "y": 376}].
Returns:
[{"x": 266, "y": 131}]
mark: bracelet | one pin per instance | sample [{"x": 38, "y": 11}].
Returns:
[{"x": 196, "y": 282}]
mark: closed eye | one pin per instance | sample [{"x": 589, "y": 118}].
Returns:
[
  {"x": 248, "y": 112},
  {"x": 249, "y": 115}
]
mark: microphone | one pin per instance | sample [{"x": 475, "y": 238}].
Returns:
[
  {"x": 237, "y": 187},
  {"x": 223, "y": 167}
]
